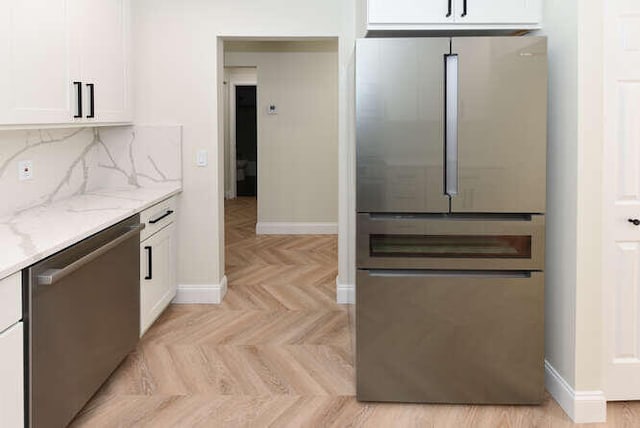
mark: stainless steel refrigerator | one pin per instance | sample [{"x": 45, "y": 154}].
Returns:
[{"x": 451, "y": 185}]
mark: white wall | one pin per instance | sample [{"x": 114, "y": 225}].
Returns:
[
  {"x": 178, "y": 79},
  {"x": 298, "y": 147},
  {"x": 589, "y": 309},
  {"x": 573, "y": 324},
  {"x": 561, "y": 27}
]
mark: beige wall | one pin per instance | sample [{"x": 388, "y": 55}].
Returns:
[
  {"x": 298, "y": 147},
  {"x": 589, "y": 308},
  {"x": 573, "y": 323},
  {"x": 178, "y": 74}
]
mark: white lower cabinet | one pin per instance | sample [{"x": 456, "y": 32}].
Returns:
[
  {"x": 12, "y": 377},
  {"x": 157, "y": 269}
]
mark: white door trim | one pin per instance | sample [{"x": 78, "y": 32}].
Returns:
[{"x": 238, "y": 76}]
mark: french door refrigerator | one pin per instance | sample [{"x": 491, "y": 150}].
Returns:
[{"x": 451, "y": 188}]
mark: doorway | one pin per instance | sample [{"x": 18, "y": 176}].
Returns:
[
  {"x": 246, "y": 141},
  {"x": 240, "y": 98}
]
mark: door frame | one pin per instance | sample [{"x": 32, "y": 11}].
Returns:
[{"x": 238, "y": 76}]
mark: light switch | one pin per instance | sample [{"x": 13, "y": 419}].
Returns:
[
  {"x": 202, "y": 158},
  {"x": 25, "y": 170}
]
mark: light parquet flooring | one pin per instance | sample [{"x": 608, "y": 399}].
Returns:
[{"x": 277, "y": 352}]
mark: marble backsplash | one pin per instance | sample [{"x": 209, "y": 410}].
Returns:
[{"x": 68, "y": 162}]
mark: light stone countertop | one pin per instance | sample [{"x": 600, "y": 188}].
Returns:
[{"x": 36, "y": 233}]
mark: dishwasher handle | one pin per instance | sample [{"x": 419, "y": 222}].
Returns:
[{"x": 51, "y": 276}]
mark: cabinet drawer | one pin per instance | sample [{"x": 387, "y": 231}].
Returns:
[
  {"x": 157, "y": 217},
  {"x": 10, "y": 300},
  {"x": 12, "y": 375}
]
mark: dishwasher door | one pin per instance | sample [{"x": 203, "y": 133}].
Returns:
[
  {"x": 83, "y": 315},
  {"x": 450, "y": 337}
]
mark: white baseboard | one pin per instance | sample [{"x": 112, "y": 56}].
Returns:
[
  {"x": 582, "y": 407},
  {"x": 201, "y": 293},
  {"x": 345, "y": 293},
  {"x": 278, "y": 228}
]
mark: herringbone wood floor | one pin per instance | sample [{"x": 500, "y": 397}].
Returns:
[{"x": 277, "y": 352}]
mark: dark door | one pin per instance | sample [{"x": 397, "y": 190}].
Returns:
[{"x": 246, "y": 141}]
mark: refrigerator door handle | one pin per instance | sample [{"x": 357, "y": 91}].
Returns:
[{"x": 451, "y": 125}]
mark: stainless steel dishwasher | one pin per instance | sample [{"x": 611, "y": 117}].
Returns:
[{"x": 83, "y": 317}]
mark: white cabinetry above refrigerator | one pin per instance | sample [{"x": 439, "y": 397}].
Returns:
[
  {"x": 453, "y": 14},
  {"x": 65, "y": 62}
]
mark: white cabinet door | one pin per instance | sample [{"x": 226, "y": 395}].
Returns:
[
  {"x": 11, "y": 373},
  {"x": 47, "y": 45},
  {"x": 157, "y": 275},
  {"x": 498, "y": 11},
  {"x": 103, "y": 34},
  {"x": 37, "y": 69},
  {"x": 621, "y": 193},
  {"x": 410, "y": 11}
]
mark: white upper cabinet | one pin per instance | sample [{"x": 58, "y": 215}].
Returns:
[
  {"x": 410, "y": 11},
  {"x": 453, "y": 14},
  {"x": 36, "y": 73},
  {"x": 103, "y": 43},
  {"x": 49, "y": 45},
  {"x": 489, "y": 12}
]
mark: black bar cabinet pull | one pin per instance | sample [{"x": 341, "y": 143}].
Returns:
[
  {"x": 78, "y": 86},
  {"x": 635, "y": 221},
  {"x": 149, "y": 251},
  {"x": 464, "y": 8},
  {"x": 92, "y": 102},
  {"x": 155, "y": 220},
  {"x": 449, "y": 14}
]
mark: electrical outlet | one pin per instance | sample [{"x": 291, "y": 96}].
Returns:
[
  {"x": 202, "y": 158},
  {"x": 25, "y": 170}
]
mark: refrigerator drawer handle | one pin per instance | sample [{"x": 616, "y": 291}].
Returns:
[
  {"x": 417, "y": 273},
  {"x": 451, "y": 125},
  {"x": 452, "y": 217},
  {"x": 51, "y": 276},
  {"x": 464, "y": 8},
  {"x": 448, "y": 15}
]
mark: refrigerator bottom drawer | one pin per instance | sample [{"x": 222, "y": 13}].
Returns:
[{"x": 441, "y": 337}]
